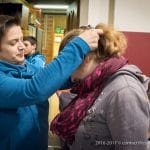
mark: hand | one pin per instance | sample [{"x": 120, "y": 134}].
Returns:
[
  {"x": 59, "y": 92},
  {"x": 91, "y": 37}
]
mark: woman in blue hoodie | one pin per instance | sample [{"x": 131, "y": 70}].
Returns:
[
  {"x": 31, "y": 52},
  {"x": 25, "y": 89}
]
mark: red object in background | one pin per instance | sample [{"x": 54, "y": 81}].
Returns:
[{"x": 138, "y": 50}]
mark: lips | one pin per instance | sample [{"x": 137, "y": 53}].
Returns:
[{"x": 21, "y": 55}]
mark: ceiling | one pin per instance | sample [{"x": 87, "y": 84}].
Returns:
[
  {"x": 60, "y": 2},
  {"x": 52, "y": 2}
]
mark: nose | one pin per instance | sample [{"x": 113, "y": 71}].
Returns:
[{"x": 21, "y": 45}]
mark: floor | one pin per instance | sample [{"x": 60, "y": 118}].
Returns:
[{"x": 53, "y": 142}]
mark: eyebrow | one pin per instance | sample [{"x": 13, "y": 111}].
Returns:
[
  {"x": 13, "y": 40},
  {"x": 16, "y": 39}
]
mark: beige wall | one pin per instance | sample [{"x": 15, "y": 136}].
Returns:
[
  {"x": 132, "y": 15},
  {"x": 93, "y": 12}
]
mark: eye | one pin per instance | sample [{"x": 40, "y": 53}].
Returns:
[
  {"x": 25, "y": 44},
  {"x": 12, "y": 43}
]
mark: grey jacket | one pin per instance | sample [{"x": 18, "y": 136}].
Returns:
[{"x": 119, "y": 118}]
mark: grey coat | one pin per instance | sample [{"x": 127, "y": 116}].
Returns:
[{"x": 119, "y": 118}]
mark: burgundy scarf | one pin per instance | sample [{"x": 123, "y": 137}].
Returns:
[{"x": 65, "y": 124}]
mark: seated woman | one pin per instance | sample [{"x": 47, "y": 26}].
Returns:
[{"x": 111, "y": 109}]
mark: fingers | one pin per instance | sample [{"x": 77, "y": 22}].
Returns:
[
  {"x": 99, "y": 31},
  {"x": 91, "y": 37}
]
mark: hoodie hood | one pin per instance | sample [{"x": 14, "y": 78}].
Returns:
[
  {"x": 18, "y": 71},
  {"x": 135, "y": 72}
]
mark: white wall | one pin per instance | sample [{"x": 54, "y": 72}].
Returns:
[
  {"x": 93, "y": 12},
  {"x": 98, "y": 11},
  {"x": 84, "y": 6},
  {"x": 132, "y": 15},
  {"x": 129, "y": 15}
]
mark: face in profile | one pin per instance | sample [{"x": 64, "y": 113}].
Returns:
[
  {"x": 89, "y": 63},
  {"x": 87, "y": 67},
  {"x": 29, "y": 48},
  {"x": 12, "y": 47}
]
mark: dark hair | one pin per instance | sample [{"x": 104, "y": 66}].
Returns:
[
  {"x": 6, "y": 22},
  {"x": 31, "y": 39},
  {"x": 86, "y": 27}
]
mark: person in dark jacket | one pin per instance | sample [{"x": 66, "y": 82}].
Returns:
[
  {"x": 31, "y": 53},
  {"x": 25, "y": 89},
  {"x": 111, "y": 109}
]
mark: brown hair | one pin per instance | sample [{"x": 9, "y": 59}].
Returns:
[
  {"x": 31, "y": 39},
  {"x": 6, "y": 22},
  {"x": 111, "y": 42},
  {"x": 72, "y": 34},
  {"x": 69, "y": 36}
]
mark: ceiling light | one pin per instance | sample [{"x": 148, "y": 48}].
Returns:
[{"x": 51, "y": 6}]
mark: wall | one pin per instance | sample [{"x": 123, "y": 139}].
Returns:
[
  {"x": 99, "y": 9},
  {"x": 48, "y": 37},
  {"x": 93, "y": 12},
  {"x": 83, "y": 19},
  {"x": 133, "y": 17},
  {"x": 138, "y": 51},
  {"x": 60, "y": 20},
  {"x": 49, "y": 23},
  {"x": 130, "y": 16}
]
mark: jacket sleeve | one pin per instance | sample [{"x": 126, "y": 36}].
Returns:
[
  {"x": 22, "y": 92},
  {"x": 128, "y": 119}
]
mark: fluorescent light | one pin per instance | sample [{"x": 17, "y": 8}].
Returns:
[{"x": 51, "y": 6}]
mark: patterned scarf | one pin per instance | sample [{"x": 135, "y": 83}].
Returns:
[{"x": 65, "y": 124}]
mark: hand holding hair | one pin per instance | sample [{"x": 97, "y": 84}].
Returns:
[{"x": 91, "y": 37}]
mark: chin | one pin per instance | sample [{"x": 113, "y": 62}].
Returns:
[{"x": 21, "y": 61}]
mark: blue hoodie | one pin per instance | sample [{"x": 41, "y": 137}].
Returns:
[
  {"x": 24, "y": 93},
  {"x": 37, "y": 59}
]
